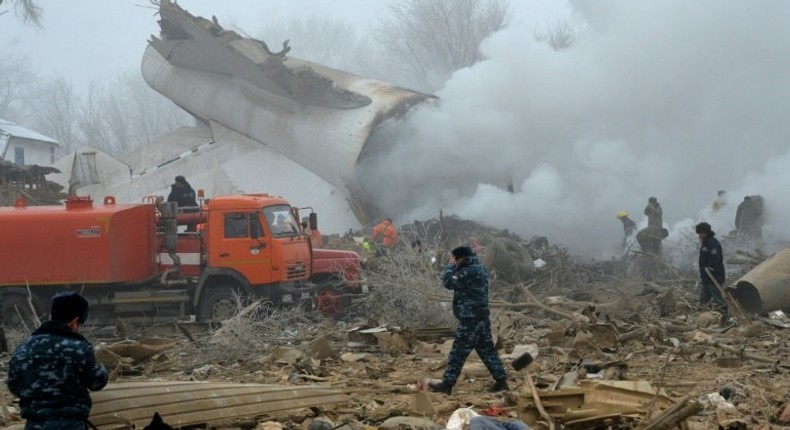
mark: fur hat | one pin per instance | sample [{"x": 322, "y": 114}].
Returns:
[
  {"x": 462, "y": 251},
  {"x": 181, "y": 180},
  {"x": 69, "y": 305}
]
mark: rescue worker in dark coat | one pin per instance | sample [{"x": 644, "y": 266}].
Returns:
[
  {"x": 748, "y": 219},
  {"x": 711, "y": 257},
  {"x": 182, "y": 193},
  {"x": 655, "y": 215},
  {"x": 629, "y": 229},
  {"x": 469, "y": 281},
  {"x": 52, "y": 371}
]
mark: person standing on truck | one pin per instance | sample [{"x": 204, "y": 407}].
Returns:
[
  {"x": 182, "y": 193},
  {"x": 711, "y": 267},
  {"x": 469, "y": 281},
  {"x": 385, "y": 234},
  {"x": 52, "y": 370}
]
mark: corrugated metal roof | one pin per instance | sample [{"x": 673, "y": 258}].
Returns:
[{"x": 15, "y": 130}]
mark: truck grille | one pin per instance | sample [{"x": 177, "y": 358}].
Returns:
[{"x": 297, "y": 270}]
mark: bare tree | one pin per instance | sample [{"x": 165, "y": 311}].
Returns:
[
  {"x": 149, "y": 113},
  {"x": 425, "y": 41},
  {"x": 320, "y": 39},
  {"x": 118, "y": 130},
  {"x": 28, "y": 10},
  {"x": 58, "y": 113},
  {"x": 91, "y": 126},
  {"x": 559, "y": 34},
  {"x": 17, "y": 82}
]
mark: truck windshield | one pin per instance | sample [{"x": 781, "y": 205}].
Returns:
[{"x": 281, "y": 221}]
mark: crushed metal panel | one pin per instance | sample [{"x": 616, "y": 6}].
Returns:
[
  {"x": 321, "y": 118},
  {"x": 195, "y": 43},
  {"x": 192, "y": 403},
  {"x": 595, "y": 402}
]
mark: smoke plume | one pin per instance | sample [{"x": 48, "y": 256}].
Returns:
[{"x": 671, "y": 99}]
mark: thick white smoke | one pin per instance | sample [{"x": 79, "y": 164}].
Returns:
[{"x": 671, "y": 99}]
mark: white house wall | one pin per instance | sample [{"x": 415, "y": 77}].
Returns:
[{"x": 38, "y": 153}]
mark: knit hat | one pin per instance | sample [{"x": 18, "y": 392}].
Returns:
[
  {"x": 462, "y": 251},
  {"x": 69, "y": 305}
]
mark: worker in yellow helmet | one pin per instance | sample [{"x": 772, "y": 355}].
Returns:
[{"x": 629, "y": 228}]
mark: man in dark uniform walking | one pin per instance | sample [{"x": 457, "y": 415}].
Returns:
[
  {"x": 711, "y": 258},
  {"x": 469, "y": 281},
  {"x": 52, "y": 371}
]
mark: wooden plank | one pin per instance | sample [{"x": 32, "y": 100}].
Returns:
[{"x": 192, "y": 403}]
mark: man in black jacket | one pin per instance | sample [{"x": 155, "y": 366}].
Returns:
[
  {"x": 182, "y": 193},
  {"x": 711, "y": 259},
  {"x": 52, "y": 371}
]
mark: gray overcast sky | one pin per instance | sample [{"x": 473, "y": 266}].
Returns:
[
  {"x": 98, "y": 39},
  {"x": 84, "y": 39}
]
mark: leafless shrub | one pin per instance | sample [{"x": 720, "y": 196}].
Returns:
[
  {"x": 427, "y": 40},
  {"x": 15, "y": 336},
  {"x": 258, "y": 327},
  {"x": 28, "y": 10},
  {"x": 559, "y": 34},
  {"x": 406, "y": 291}
]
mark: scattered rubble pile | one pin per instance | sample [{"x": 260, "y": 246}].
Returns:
[
  {"x": 29, "y": 182},
  {"x": 610, "y": 351}
]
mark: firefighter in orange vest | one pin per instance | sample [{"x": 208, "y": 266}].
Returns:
[{"x": 385, "y": 234}]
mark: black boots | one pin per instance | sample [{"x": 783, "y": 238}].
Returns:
[
  {"x": 440, "y": 387},
  {"x": 499, "y": 385}
]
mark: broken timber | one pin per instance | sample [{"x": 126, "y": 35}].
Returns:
[{"x": 192, "y": 403}]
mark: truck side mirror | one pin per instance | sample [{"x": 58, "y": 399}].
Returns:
[{"x": 313, "y": 221}]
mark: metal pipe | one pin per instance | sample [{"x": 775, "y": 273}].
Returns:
[
  {"x": 766, "y": 288},
  {"x": 169, "y": 213}
]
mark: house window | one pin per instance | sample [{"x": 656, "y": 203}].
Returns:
[{"x": 19, "y": 156}]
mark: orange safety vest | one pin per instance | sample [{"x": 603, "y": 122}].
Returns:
[
  {"x": 316, "y": 239},
  {"x": 388, "y": 233}
]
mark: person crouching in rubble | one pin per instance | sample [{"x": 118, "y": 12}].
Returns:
[
  {"x": 52, "y": 371},
  {"x": 711, "y": 259},
  {"x": 469, "y": 281}
]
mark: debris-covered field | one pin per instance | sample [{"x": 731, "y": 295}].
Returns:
[{"x": 612, "y": 351}]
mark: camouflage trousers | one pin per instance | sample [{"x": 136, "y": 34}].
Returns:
[{"x": 473, "y": 334}]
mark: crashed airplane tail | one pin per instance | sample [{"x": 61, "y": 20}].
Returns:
[{"x": 321, "y": 118}]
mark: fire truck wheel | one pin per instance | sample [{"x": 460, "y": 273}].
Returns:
[
  {"x": 17, "y": 313},
  {"x": 218, "y": 304}
]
